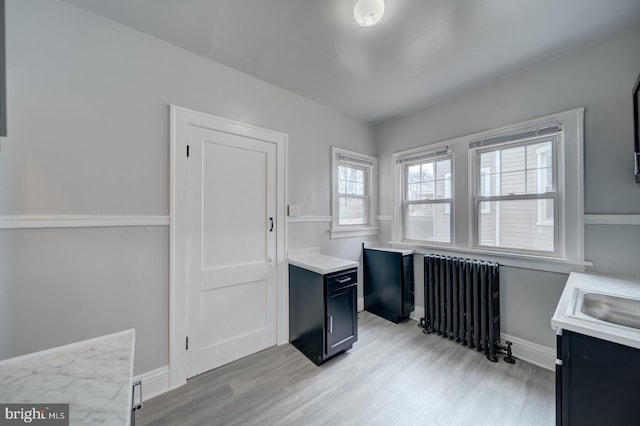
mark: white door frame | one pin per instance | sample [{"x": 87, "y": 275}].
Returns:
[{"x": 180, "y": 119}]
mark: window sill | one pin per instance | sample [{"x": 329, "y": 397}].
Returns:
[
  {"x": 539, "y": 263},
  {"x": 547, "y": 223},
  {"x": 353, "y": 232}
]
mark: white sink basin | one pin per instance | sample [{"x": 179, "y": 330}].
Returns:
[{"x": 602, "y": 306}]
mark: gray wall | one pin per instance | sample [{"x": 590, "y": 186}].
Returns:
[
  {"x": 88, "y": 104},
  {"x": 63, "y": 285},
  {"x": 600, "y": 78}
]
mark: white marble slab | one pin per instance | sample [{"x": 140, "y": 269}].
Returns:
[
  {"x": 568, "y": 315},
  {"x": 404, "y": 252},
  {"x": 303, "y": 252},
  {"x": 93, "y": 376},
  {"x": 312, "y": 260}
]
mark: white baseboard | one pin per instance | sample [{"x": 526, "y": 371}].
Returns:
[
  {"x": 360, "y": 304},
  {"x": 542, "y": 356},
  {"x": 154, "y": 382},
  {"x": 417, "y": 313}
]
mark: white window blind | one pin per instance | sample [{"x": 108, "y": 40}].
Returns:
[
  {"x": 548, "y": 129},
  {"x": 355, "y": 160},
  {"x": 423, "y": 156}
]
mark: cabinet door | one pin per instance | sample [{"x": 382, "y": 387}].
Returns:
[
  {"x": 342, "y": 322},
  {"x": 562, "y": 357},
  {"x": 600, "y": 382},
  {"x": 408, "y": 286},
  {"x": 383, "y": 290}
]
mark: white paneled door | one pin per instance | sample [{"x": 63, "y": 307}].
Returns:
[{"x": 231, "y": 244}]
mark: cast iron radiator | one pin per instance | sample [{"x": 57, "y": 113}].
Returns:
[{"x": 462, "y": 302}]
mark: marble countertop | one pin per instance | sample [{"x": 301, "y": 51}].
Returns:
[
  {"x": 312, "y": 260},
  {"x": 568, "y": 315},
  {"x": 93, "y": 376},
  {"x": 404, "y": 252}
]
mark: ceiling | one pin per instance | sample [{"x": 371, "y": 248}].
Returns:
[{"x": 422, "y": 51}]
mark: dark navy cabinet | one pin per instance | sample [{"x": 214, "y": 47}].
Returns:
[
  {"x": 323, "y": 319},
  {"x": 388, "y": 283},
  {"x": 597, "y": 382}
]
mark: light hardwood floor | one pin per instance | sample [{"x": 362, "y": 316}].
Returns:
[{"x": 394, "y": 375}]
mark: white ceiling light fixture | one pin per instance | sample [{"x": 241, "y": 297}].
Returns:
[{"x": 368, "y": 12}]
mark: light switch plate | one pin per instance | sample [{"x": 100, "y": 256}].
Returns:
[{"x": 294, "y": 210}]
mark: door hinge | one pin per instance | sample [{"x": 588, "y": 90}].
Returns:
[
  {"x": 187, "y": 150},
  {"x": 186, "y": 346}
]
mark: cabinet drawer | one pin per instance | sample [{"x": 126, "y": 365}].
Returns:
[{"x": 342, "y": 279}]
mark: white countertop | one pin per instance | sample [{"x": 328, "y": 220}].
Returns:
[
  {"x": 568, "y": 315},
  {"x": 404, "y": 252},
  {"x": 312, "y": 260},
  {"x": 93, "y": 376}
]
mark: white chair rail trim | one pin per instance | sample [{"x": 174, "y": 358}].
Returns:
[
  {"x": 612, "y": 219},
  {"x": 79, "y": 221}
]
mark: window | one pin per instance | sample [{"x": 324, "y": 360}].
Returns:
[
  {"x": 353, "y": 194},
  {"x": 512, "y": 195},
  {"x": 516, "y": 197},
  {"x": 427, "y": 197}
]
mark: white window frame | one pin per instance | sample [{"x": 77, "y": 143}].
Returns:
[
  {"x": 570, "y": 186},
  {"x": 370, "y": 164},
  {"x": 448, "y": 190},
  {"x": 542, "y": 208},
  {"x": 478, "y": 198},
  {"x": 401, "y": 163},
  {"x": 484, "y": 171}
]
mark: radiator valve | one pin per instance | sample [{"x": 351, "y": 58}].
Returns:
[{"x": 509, "y": 359}]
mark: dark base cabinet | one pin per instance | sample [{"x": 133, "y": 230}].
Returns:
[
  {"x": 323, "y": 319},
  {"x": 597, "y": 382},
  {"x": 388, "y": 284}
]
